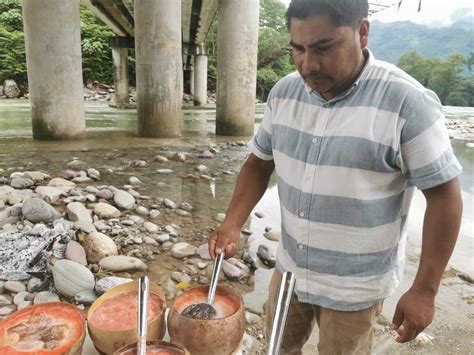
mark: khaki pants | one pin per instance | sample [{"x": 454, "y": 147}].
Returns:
[{"x": 339, "y": 332}]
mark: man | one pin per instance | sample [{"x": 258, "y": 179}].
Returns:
[{"x": 350, "y": 138}]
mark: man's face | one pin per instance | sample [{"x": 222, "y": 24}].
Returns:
[{"x": 328, "y": 58}]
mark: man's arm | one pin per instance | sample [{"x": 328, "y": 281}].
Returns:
[
  {"x": 415, "y": 308},
  {"x": 251, "y": 185}
]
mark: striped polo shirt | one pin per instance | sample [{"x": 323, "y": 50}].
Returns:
[{"x": 346, "y": 171}]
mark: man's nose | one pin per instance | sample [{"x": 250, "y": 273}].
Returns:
[{"x": 311, "y": 62}]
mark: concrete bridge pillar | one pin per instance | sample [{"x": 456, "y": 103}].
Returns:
[
  {"x": 188, "y": 79},
  {"x": 192, "y": 84},
  {"x": 200, "y": 78},
  {"x": 159, "y": 67},
  {"x": 53, "y": 56},
  {"x": 120, "y": 60},
  {"x": 237, "y": 46}
]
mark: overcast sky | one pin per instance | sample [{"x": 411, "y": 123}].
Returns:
[{"x": 434, "y": 12}]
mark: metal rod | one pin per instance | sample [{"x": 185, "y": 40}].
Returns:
[
  {"x": 285, "y": 292},
  {"x": 142, "y": 309},
  {"x": 215, "y": 278}
]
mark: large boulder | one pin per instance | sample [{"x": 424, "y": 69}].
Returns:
[{"x": 11, "y": 89}]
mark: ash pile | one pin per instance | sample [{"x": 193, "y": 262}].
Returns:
[{"x": 27, "y": 253}]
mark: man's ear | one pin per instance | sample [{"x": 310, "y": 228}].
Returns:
[{"x": 364, "y": 28}]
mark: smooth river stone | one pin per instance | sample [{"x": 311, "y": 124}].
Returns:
[
  {"x": 85, "y": 297},
  {"x": 76, "y": 252},
  {"x": 251, "y": 258},
  {"x": 104, "y": 210},
  {"x": 36, "y": 210},
  {"x": 21, "y": 183},
  {"x": 36, "y": 175},
  {"x": 98, "y": 246},
  {"x": 81, "y": 217},
  {"x": 60, "y": 182},
  {"x": 50, "y": 194},
  {"x": 71, "y": 277},
  {"x": 14, "y": 286},
  {"x": 122, "y": 263},
  {"x": 45, "y": 296},
  {"x": 151, "y": 227},
  {"x": 272, "y": 235},
  {"x": 234, "y": 269},
  {"x": 203, "y": 252},
  {"x": 109, "y": 282},
  {"x": 124, "y": 200},
  {"x": 182, "y": 250},
  {"x": 267, "y": 257}
]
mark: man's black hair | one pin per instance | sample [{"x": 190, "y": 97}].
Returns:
[{"x": 341, "y": 12}]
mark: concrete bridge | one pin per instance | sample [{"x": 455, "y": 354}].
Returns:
[{"x": 168, "y": 37}]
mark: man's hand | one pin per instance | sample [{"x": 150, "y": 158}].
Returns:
[
  {"x": 224, "y": 239},
  {"x": 415, "y": 308},
  {"x": 413, "y": 314}
]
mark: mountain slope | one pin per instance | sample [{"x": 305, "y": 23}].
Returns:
[{"x": 389, "y": 41}]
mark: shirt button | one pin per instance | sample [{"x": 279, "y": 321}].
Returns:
[
  {"x": 308, "y": 178},
  {"x": 315, "y": 140},
  {"x": 301, "y": 214},
  {"x": 300, "y": 246}
]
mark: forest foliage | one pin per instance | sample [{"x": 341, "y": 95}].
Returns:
[{"x": 451, "y": 78}]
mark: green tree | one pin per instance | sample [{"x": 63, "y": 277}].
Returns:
[
  {"x": 274, "y": 59},
  {"x": 12, "y": 43},
  {"x": 211, "y": 45},
  {"x": 445, "y": 77},
  {"x": 470, "y": 61},
  {"x": 417, "y": 66},
  {"x": 272, "y": 15},
  {"x": 96, "y": 52}
]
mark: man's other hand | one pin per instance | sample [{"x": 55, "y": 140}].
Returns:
[{"x": 414, "y": 312}]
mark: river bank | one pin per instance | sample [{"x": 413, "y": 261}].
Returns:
[{"x": 195, "y": 175}]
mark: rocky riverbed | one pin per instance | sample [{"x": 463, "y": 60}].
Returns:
[
  {"x": 72, "y": 232},
  {"x": 93, "y": 91},
  {"x": 77, "y": 218}
]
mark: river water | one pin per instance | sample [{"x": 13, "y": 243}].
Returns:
[{"x": 112, "y": 143}]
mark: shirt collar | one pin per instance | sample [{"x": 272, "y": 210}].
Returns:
[{"x": 369, "y": 61}]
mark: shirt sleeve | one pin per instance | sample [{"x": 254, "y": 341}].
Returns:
[
  {"x": 427, "y": 157},
  {"x": 261, "y": 143}
]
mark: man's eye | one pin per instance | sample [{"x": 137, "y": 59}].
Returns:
[{"x": 322, "y": 49}]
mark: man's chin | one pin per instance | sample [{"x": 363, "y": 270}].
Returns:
[{"x": 320, "y": 86}]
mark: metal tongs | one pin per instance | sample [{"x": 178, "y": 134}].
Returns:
[
  {"x": 285, "y": 292},
  {"x": 143, "y": 301},
  {"x": 215, "y": 278}
]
